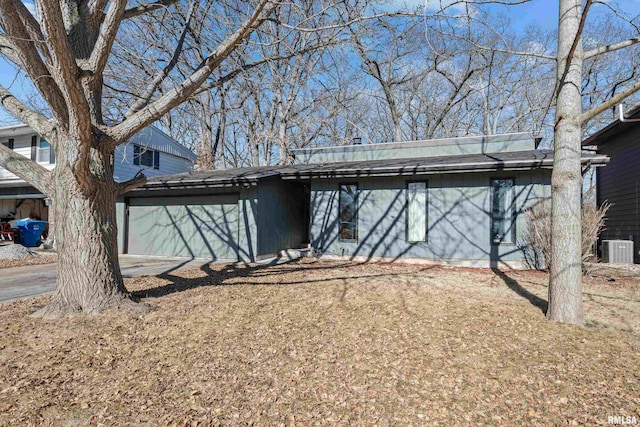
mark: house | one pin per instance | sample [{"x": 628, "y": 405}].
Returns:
[
  {"x": 458, "y": 201},
  {"x": 619, "y": 182},
  {"x": 150, "y": 150}
]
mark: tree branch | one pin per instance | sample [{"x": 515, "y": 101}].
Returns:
[
  {"x": 144, "y": 8},
  {"x": 246, "y": 67},
  {"x": 26, "y": 169},
  {"x": 611, "y": 47},
  {"x": 583, "y": 20},
  {"x": 162, "y": 74},
  {"x": 137, "y": 181},
  {"x": 96, "y": 12},
  {"x": 613, "y": 101},
  {"x": 33, "y": 119},
  {"x": 8, "y": 50},
  {"x": 64, "y": 69},
  {"x": 32, "y": 27},
  {"x": 26, "y": 56},
  {"x": 184, "y": 90},
  {"x": 102, "y": 48}
]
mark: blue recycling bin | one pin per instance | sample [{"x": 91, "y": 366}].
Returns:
[{"x": 30, "y": 231}]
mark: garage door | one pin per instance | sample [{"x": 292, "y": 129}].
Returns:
[{"x": 195, "y": 227}]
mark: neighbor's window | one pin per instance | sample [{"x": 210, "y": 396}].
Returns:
[
  {"x": 348, "y": 212},
  {"x": 45, "y": 152},
  {"x": 143, "y": 156},
  {"x": 502, "y": 223},
  {"x": 417, "y": 211}
]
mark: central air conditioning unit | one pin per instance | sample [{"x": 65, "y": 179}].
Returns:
[{"x": 617, "y": 251}]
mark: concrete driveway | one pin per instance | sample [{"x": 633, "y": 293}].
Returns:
[{"x": 33, "y": 280}]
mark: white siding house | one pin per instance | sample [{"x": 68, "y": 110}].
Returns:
[{"x": 150, "y": 150}]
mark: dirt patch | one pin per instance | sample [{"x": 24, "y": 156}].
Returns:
[{"x": 327, "y": 343}]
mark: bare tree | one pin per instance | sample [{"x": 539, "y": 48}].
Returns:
[
  {"x": 64, "y": 52},
  {"x": 565, "y": 282}
]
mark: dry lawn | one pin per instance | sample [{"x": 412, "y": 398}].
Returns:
[
  {"x": 36, "y": 260},
  {"x": 327, "y": 343}
]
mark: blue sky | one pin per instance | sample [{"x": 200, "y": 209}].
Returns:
[{"x": 541, "y": 12}]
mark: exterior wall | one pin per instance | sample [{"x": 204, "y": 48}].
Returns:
[
  {"x": 271, "y": 215},
  {"x": 121, "y": 211},
  {"x": 125, "y": 169},
  {"x": 248, "y": 224},
  {"x": 619, "y": 184},
  {"x": 459, "y": 218},
  {"x": 411, "y": 149},
  {"x": 281, "y": 216},
  {"x": 174, "y": 158},
  {"x": 22, "y": 146}
]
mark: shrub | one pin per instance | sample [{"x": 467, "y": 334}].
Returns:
[{"x": 537, "y": 238}]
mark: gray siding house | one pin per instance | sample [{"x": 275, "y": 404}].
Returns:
[
  {"x": 619, "y": 182},
  {"x": 458, "y": 201}
]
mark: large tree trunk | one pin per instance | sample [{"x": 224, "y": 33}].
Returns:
[
  {"x": 89, "y": 278},
  {"x": 565, "y": 281}
]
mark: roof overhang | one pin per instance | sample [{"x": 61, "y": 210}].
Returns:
[
  {"x": 195, "y": 184},
  {"x": 22, "y": 196},
  {"x": 430, "y": 169},
  {"x": 614, "y": 128},
  {"x": 249, "y": 177}
]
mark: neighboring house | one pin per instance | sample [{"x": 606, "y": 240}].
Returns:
[
  {"x": 150, "y": 150},
  {"x": 619, "y": 182},
  {"x": 458, "y": 201}
]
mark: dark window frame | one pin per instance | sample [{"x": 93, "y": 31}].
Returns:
[
  {"x": 146, "y": 157},
  {"x": 512, "y": 232},
  {"x": 426, "y": 210},
  {"x": 355, "y": 215}
]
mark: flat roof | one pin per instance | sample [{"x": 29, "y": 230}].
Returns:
[
  {"x": 461, "y": 140},
  {"x": 508, "y": 161}
]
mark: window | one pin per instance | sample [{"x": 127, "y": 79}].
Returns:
[
  {"x": 44, "y": 152},
  {"x": 143, "y": 156},
  {"x": 502, "y": 223},
  {"x": 417, "y": 211},
  {"x": 348, "y": 212}
]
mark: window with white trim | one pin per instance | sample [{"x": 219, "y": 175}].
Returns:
[
  {"x": 417, "y": 211},
  {"x": 44, "y": 152}
]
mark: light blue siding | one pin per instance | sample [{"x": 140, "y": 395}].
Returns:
[{"x": 125, "y": 169}]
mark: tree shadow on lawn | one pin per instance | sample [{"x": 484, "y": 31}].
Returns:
[
  {"x": 516, "y": 287},
  {"x": 222, "y": 277}
]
